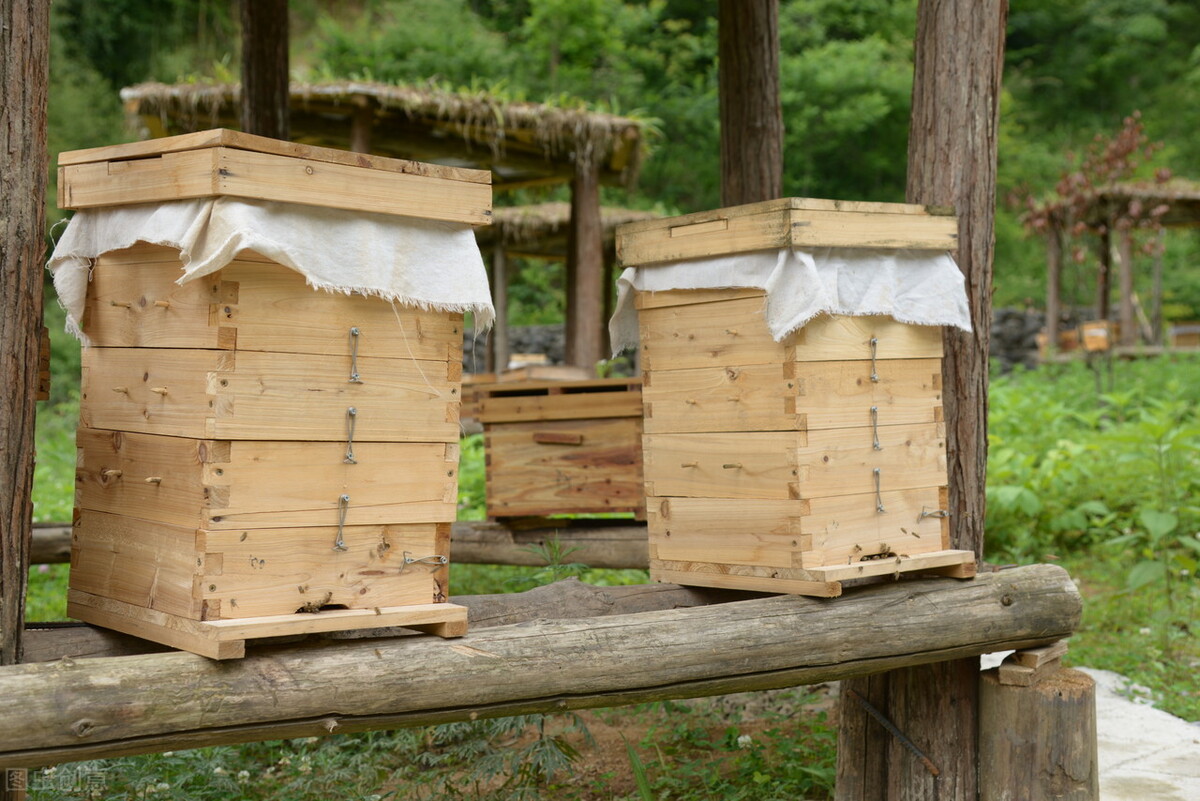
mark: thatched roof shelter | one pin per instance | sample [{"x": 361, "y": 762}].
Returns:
[
  {"x": 1174, "y": 203},
  {"x": 542, "y": 231},
  {"x": 522, "y": 144}
]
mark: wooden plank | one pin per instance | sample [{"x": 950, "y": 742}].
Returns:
[
  {"x": 213, "y": 394},
  {"x": 252, "y": 572},
  {"x": 539, "y": 666},
  {"x": 757, "y": 397},
  {"x": 784, "y": 206},
  {"x": 723, "y": 531},
  {"x": 832, "y": 531},
  {"x": 1036, "y": 657},
  {"x": 252, "y": 304},
  {"x": 841, "y": 338},
  {"x": 142, "y": 564},
  {"x": 172, "y": 176},
  {"x": 783, "y": 465},
  {"x": 740, "y": 577},
  {"x": 264, "y": 484},
  {"x": 282, "y": 571},
  {"x": 764, "y": 227},
  {"x": 517, "y": 408},
  {"x": 601, "y": 474},
  {"x": 893, "y": 566},
  {"x": 794, "y": 396},
  {"x": 732, "y": 332},
  {"x": 844, "y": 528},
  {"x": 226, "y": 639},
  {"x": 261, "y": 176},
  {"x": 222, "y": 137}
]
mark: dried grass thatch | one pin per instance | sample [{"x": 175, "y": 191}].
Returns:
[
  {"x": 529, "y": 225},
  {"x": 474, "y": 126}
]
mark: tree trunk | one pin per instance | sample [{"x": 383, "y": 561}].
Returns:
[
  {"x": 121, "y": 705},
  {"x": 585, "y": 267},
  {"x": 24, "y": 65},
  {"x": 1126, "y": 320},
  {"x": 265, "y": 68},
  {"x": 24, "y": 78},
  {"x": 751, "y": 113},
  {"x": 1054, "y": 264},
  {"x": 958, "y": 61},
  {"x": 1038, "y": 741}
]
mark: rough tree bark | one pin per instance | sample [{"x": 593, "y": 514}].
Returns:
[
  {"x": 24, "y": 77},
  {"x": 958, "y": 62},
  {"x": 751, "y": 113},
  {"x": 265, "y": 68}
]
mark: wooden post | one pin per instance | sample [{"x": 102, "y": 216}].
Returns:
[
  {"x": 1038, "y": 741},
  {"x": 360, "y": 128},
  {"x": 958, "y": 62},
  {"x": 1128, "y": 333},
  {"x": 1054, "y": 257},
  {"x": 1156, "y": 315},
  {"x": 585, "y": 268},
  {"x": 1104, "y": 274},
  {"x": 500, "y": 348},
  {"x": 24, "y": 78},
  {"x": 265, "y": 68},
  {"x": 750, "y": 109}
]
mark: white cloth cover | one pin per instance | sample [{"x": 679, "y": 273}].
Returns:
[
  {"x": 425, "y": 263},
  {"x": 918, "y": 287}
]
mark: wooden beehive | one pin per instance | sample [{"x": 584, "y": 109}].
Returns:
[
  {"x": 255, "y": 457},
  {"x": 563, "y": 447},
  {"x": 789, "y": 466}
]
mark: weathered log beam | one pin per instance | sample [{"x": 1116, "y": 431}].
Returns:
[
  {"x": 135, "y": 704},
  {"x": 570, "y": 598},
  {"x": 601, "y": 544}
]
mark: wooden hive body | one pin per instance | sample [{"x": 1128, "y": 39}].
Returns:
[
  {"x": 789, "y": 466},
  {"x": 563, "y": 447},
  {"x": 256, "y": 457}
]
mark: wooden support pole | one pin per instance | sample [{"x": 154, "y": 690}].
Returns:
[
  {"x": 360, "y": 127},
  {"x": 1054, "y": 262},
  {"x": 1128, "y": 334},
  {"x": 1104, "y": 274},
  {"x": 585, "y": 267},
  {"x": 1038, "y": 741},
  {"x": 500, "y": 349},
  {"x": 265, "y": 93},
  {"x": 154, "y": 702},
  {"x": 958, "y": 62},
  {"x": 24, "y": 78},
  {"x": 750, "y": 108}
]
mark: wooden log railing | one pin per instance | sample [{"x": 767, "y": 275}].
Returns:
[
  {"x": 73, "y": 709},
  {"x": 597, "y": 543}
]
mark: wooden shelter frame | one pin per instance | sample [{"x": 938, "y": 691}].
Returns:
[
  {"x": 522, "y": 144},
  {"x": 1139, "y": 333},
  {"x": 542, "y": 231}
]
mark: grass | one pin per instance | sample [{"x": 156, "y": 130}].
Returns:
[{"x": 1078, "y": 456}]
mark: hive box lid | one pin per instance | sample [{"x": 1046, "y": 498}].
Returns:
[
  {"x": 228, "y": 163},
  {"x": 787, "y": 222}
]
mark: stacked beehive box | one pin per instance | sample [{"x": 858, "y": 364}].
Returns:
[
  {"x": 563, "y": 447},
  {"x": 256, "y": 457},
  {"x": 789, "y": 466}
]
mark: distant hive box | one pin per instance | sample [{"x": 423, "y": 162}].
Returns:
[
  {"x": 563, "y": 447},
  {"x": 792, "y": 465},
  {"x": 256, "y": 457}
]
